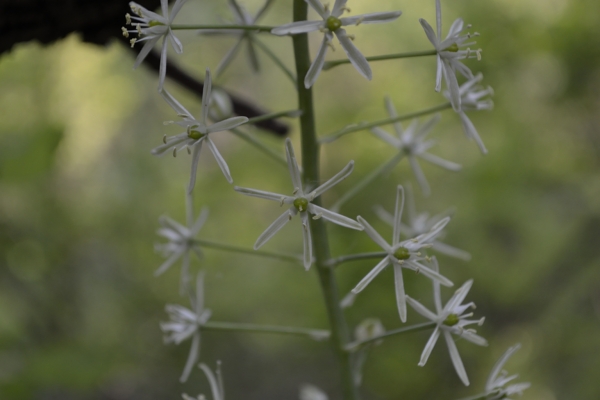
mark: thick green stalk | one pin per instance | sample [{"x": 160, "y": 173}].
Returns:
[{"x": 340, "y": 335}]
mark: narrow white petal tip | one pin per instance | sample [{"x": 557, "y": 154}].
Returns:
[{"x": 421, "y": 364}]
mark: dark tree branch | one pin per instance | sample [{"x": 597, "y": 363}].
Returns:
[{"x": 98, "y": 22}]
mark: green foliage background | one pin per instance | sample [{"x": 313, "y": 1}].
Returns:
[{"x": 80, "y": 196}]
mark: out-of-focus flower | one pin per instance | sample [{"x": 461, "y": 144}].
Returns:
[
  {"x": 450, "y": 320},
  {"x": 311, "y": 392},
  {"x": 421, "y": 223},
  {"x": 411, "y": 141},
  {"x": 403, "y": 254},
  {"x": 185, "y": 323},
  {"x": 301, "y": 202},
  {"x": 332, "y": 24},
  {"x": 495, "y": 385},
  {"x": 197, "y": 132},
  {"x": 150, "y": 27},
  {"x": 449, "y": 53}
]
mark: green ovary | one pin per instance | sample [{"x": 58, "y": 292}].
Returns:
[
  {"x": 301, "y": 204},
  {"x": 451, "y": 320},
  {"x": 453, "y": 48},
  {"x": 193, "y": 134},
  {"x": 333, "y": 23},
  {"x": 402, "y": 253},
  {"x": 155, "y": 23}
]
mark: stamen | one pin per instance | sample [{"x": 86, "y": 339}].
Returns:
[
  {"x": 165, "y": 139},
  {"x": 281, "y": 201},
  {"x": 305, "y": 226},
  {"x": 289, "y": 216},
  {"x": 359, "y": 21},
  {"x": 295, "y": 191},
  {"x": 127, "y": 19},
  {"x": 317, "y": 216},
  {"x": 174, "y": 151},
  {"x": 132, "y": 42},
  {"x": 346, "y": 9},
  {"x": 188, "y": 149},
  {"x": 481, "y": 321},
  {"x": 351, "y": 37},
  {"x": 139, "y": 29},
  {"x": 124, "y": 30}
]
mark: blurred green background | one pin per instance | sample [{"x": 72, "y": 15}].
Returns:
[{"x": 80, "y": 195}]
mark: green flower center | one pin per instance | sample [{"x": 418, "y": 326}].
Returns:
[
  {"x": 402, "y": 253},
  {"x": 333, "y": 23},
  {"x": 154, "y": 23},
  {"x": 451, "y": 320},
  {"x": 194, "y": 134},
  {"x": 453, "y": 48},
  {"x": 301, "y": 204}
]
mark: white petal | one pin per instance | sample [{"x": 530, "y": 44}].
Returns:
[
  {"x": 372, "y": 18},
  {"x": 438, "y": 18},
  {"x": 373, "y": 234},
  {"x": 169, "y": 262},
  {"x": 420, "y": 176},
  {"x": 176, "y": 8},
  {"x": 334, "y": 180},
  {"x": 471, "y": 132},
  {"x": 162, "y": 72},
  {"x": 171, "y": 142},
  {"x": 429, "y": 32},
  {"x": 261, "y": 194},
  {"x": 458, "y": 364},
  {"x": 185, "y": 273},
  {"x": 439, "y": 73},
  {"x": 398, "y": 214},
  {"x": 175, "y": 105},
  {"x": 473, "y": 338},
  {"x": 175, "y": 42},
  {"x": 429, "y": 346},
  {"x": 452, "y": 83},
  {"x": 456, "y": 28},
  {"x": 421, "y": 309},
  {"x": 451, "y": 251},
  {"x": 384, "y": 215},
  {"x": 164, "y": 5},
  {"x": 318, "y": 7},
  {"x": 145, "y": 50},
  {"x": 386, "y": 137},
  {"x": 437, "y": 296},
  {"x": 220, "y": 160},
  {"x": 306, "y": 236},
  {"x": 171, "y": 223},
  {"x": 200, "y": 221},
  {"x": 295, "y": 28},
  {"x": 192, "y": 357},
  {"x": 229, "y": 56},
  {"x": 354, "y": 55},
  {"x": 440, "y": 162},
  {"x": 415, "y": 266},
  {"x": 334, "y": 217},
  {"x": 199, "y": 304},
  {"x": 206, "y": 96},
  {"x": 274, "y": 228},
  {"x": 212, "y": 381},
  {"x": 458, "y": 297},
  {"x": 317, "y": 64},
  {"x": 371, "y": 275},
  {"x": 338, "y": 8},
  {"x": 293, "y": 165},
  {"x": 434, "y": 231},
  {"x": 195, "y": 159},
  {"x": 226, "y": 124},
  {"x": 400, "y": 294}
]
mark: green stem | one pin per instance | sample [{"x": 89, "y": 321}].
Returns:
[
  {"x": 241, "y": 250},
  {"x": 413, "y": 328},
  {"x": 316, "y": 334},
  {"x": 334, "y": 262},
  {"x": 335, "y": 63},
  {"x": 256, "y": 28},
  {"x": 383, "y": 169},
  {"x": 276, "y": 60},
  {"x": 340, "y": 335},
  {"x": 260, "y": 146},
  {"x": 362, "y": 126}
]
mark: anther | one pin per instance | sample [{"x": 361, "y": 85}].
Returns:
[
  {"x": 289, "y": 216},
  {"x": 281, "y": 202},
  {"x": 174, "y": 151},
  {"x": 317, "y": 216},
  {"x": 305, "y": 227},
  {"x": 295, "y": 191},
  {"x": 359, "y": 21},
  {"x": 165, "y": 139},
  {"x": 127, "y": 19},
  {"x": 188, "y": 150},
  {"x": 124, "y": 30},
  {"x": 132, "y": 42},
  {"x": 351, "y": 37},
  {"x": 139, "y": 29}
]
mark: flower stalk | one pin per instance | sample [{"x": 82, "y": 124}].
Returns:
[{"x": 332, "y": 64}]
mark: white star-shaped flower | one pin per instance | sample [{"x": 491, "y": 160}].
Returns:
[
  {"x": 421, "y": 223},
  {"x": 332, "y": 24},
  {"x": 450, "y": 53},
  {"x": 403, "y": 254},
  {"x": 411, "y": 141},
  {"x": 498, "y": 378},
  {"x": 181, "y": 240},
  {"x": 197, "y": 132},
  {"x": 301, "y": 202},
  {"x": 450, "y": 320},
  {"x": 150, "y": 27},
  {"x": 311, "y": 392},
  {"x": 186, "y": 323},
  {"x": 473, "y": 99}
]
